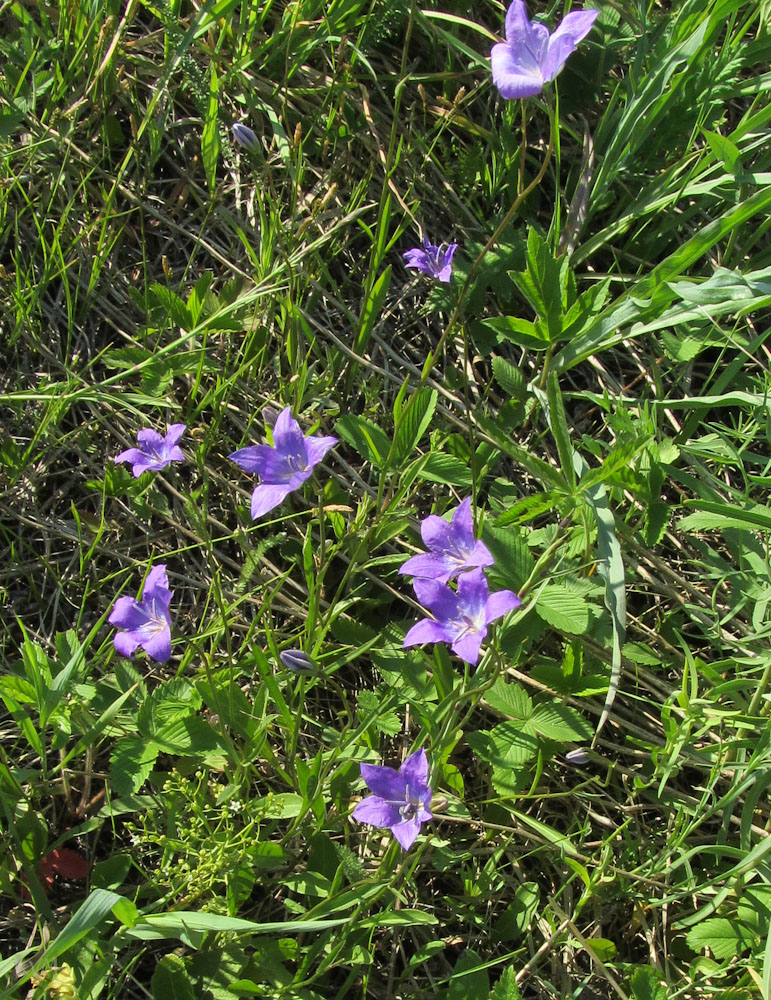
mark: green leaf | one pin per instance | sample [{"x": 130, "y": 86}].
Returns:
[
  {"x": 510, "y": 379},
  {"x": 170, "y": 980},
  {"x": 557, "y": 721},
  {"x": 180, "y": 923},
  {"x": 559, "y": 428},
  {"x": 469, "y": 979},
  {"x": 517, "y": 331},
  {"x": 646, "y": 984},
  {"x": 506, "y": 988},
  {"x": 365, "y": 437},
  {"x": 511, "y": 700},
  {"x": 513, "y": 560},
  {"x": 447, "y": 470},
  {"x": 371, "y": 309},
  {"x": 94, "y": 910},
  {"x": 516, "y": 919},
  {"x": 724, "y": 937},
  {"x": 562, "y": 609},
  {"x": 210, "y": 137},
  {"x": 412, "y": 425},
  {"x": 541, "y": 284},
  {"x": 131, "y": 761}
]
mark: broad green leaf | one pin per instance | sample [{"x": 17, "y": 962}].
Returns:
[
  {"x": 510, "y": 700},
  {"x": 159, "y": 926},
  {"x": 365, "y": 437},
  {"x": 724, "y": 937},
  {"x": 131, "y": 761},
  {"x": 170, "y": 980},
  {"x": 516, "y": 919},
  {"x": 560, "y": 722},
  {"x": 647, "y": 984},
  {"x": 446, "y": 470},
  {"x": 562, "y": 609},
  {"x": 90, "y": 915},
  {"x": 469, "y": 980}
]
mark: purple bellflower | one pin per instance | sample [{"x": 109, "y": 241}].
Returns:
[
  {"x": 452, "y": 547},
  {"x": 154, "y": 452},
  {"x": 283, "y": 467},
  {"x": 531, "y": 56},
  {"x": 298, "y": 662},
  {"x": 147, "y": 621},
  {"x": 460, "y": 618},
  {"x": 245, "y": 137},
  {"x": 401, "y": 798},
  {"x": 432, "y": 260}
]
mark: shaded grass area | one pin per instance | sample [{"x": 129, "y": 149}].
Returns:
[{"x": 600, "y": 392}]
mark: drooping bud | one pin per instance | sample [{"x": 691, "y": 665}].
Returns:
[{"x": 245, "y": 137}]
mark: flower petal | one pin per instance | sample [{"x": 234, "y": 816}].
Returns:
[
  {"x": 156, "y": 578},
  {"x": 406, "y": 832},
  {"x": 468, "y": 646},
  {"x": 435, "y": 532},
  {"x": 285, "y": 426},
  {"x": 426, "y": 631},
  {"x": 430, "y": 566},
  {"x": 128, "y": 613},
  {"x": 158, "y": 646},
  {"x": 376, "y": 812},
  {"x": 415, "y": 771},
  {"x": 317, "y": 447},
  {"x": 513, "y": 76},
  {"x": 253, "y": 458},
  {"x": 125, "y": 643},
  {"x": 266, "y": 497},
  {"x": 148, "y": 439},
  {"x": 386, "y": 782},
  {"x": 437, "y": 597},
  {"x": 573, "y": 28},
  {"x": 500, "y": 603},
  {"x": 173, "y": 433}
]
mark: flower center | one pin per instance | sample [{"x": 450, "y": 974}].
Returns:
[{"x": 408, "y": 811}]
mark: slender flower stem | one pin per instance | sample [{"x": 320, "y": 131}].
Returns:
[{"x": 502, "y": 225}]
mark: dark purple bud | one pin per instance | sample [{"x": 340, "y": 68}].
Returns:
[
  {"x": 297, "y": 661},
  {"x": 245, "y": 137}
]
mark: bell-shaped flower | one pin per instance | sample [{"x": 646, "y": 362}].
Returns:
[
  {"x": 283, "y": 467},
  {"x": 459, "y": 618},
  {"x": 154, "y": 452},
  {"x": 452, "y": 548},
  {"x": 531, "y": 56},
  {"x": 433, "y": 260},
  {"x": 147, "y": 621},
  {"x": 401, "y": 798}
]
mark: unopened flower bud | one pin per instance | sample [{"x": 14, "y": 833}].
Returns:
[
  {"x": 245, "y": 137},
  {"x": 297, "y": 661},
  {"x": 577, "y": 757}
]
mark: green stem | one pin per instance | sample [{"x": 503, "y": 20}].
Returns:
[{"x": 502, "y": 225}]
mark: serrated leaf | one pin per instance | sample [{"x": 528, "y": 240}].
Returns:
[
  {"x": 556, "y": 721},
  {"x": 131, "y": 761},
  {"x": 517, "y": 331},
  {"x": 724, "y": 937},
  {"x": 562, "y": 610},
  {"x": 365, "y": 437},
  {"x": 513, "y": 560},
  {"x": 542, "y": 285},
  {"x": 509, "y": 378},
  {"x": 506, "y": 988},
  {"x": 510, "y": 700},
  {"x": 446, "y": 470},
  {"x": 646, "y": 984}
]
